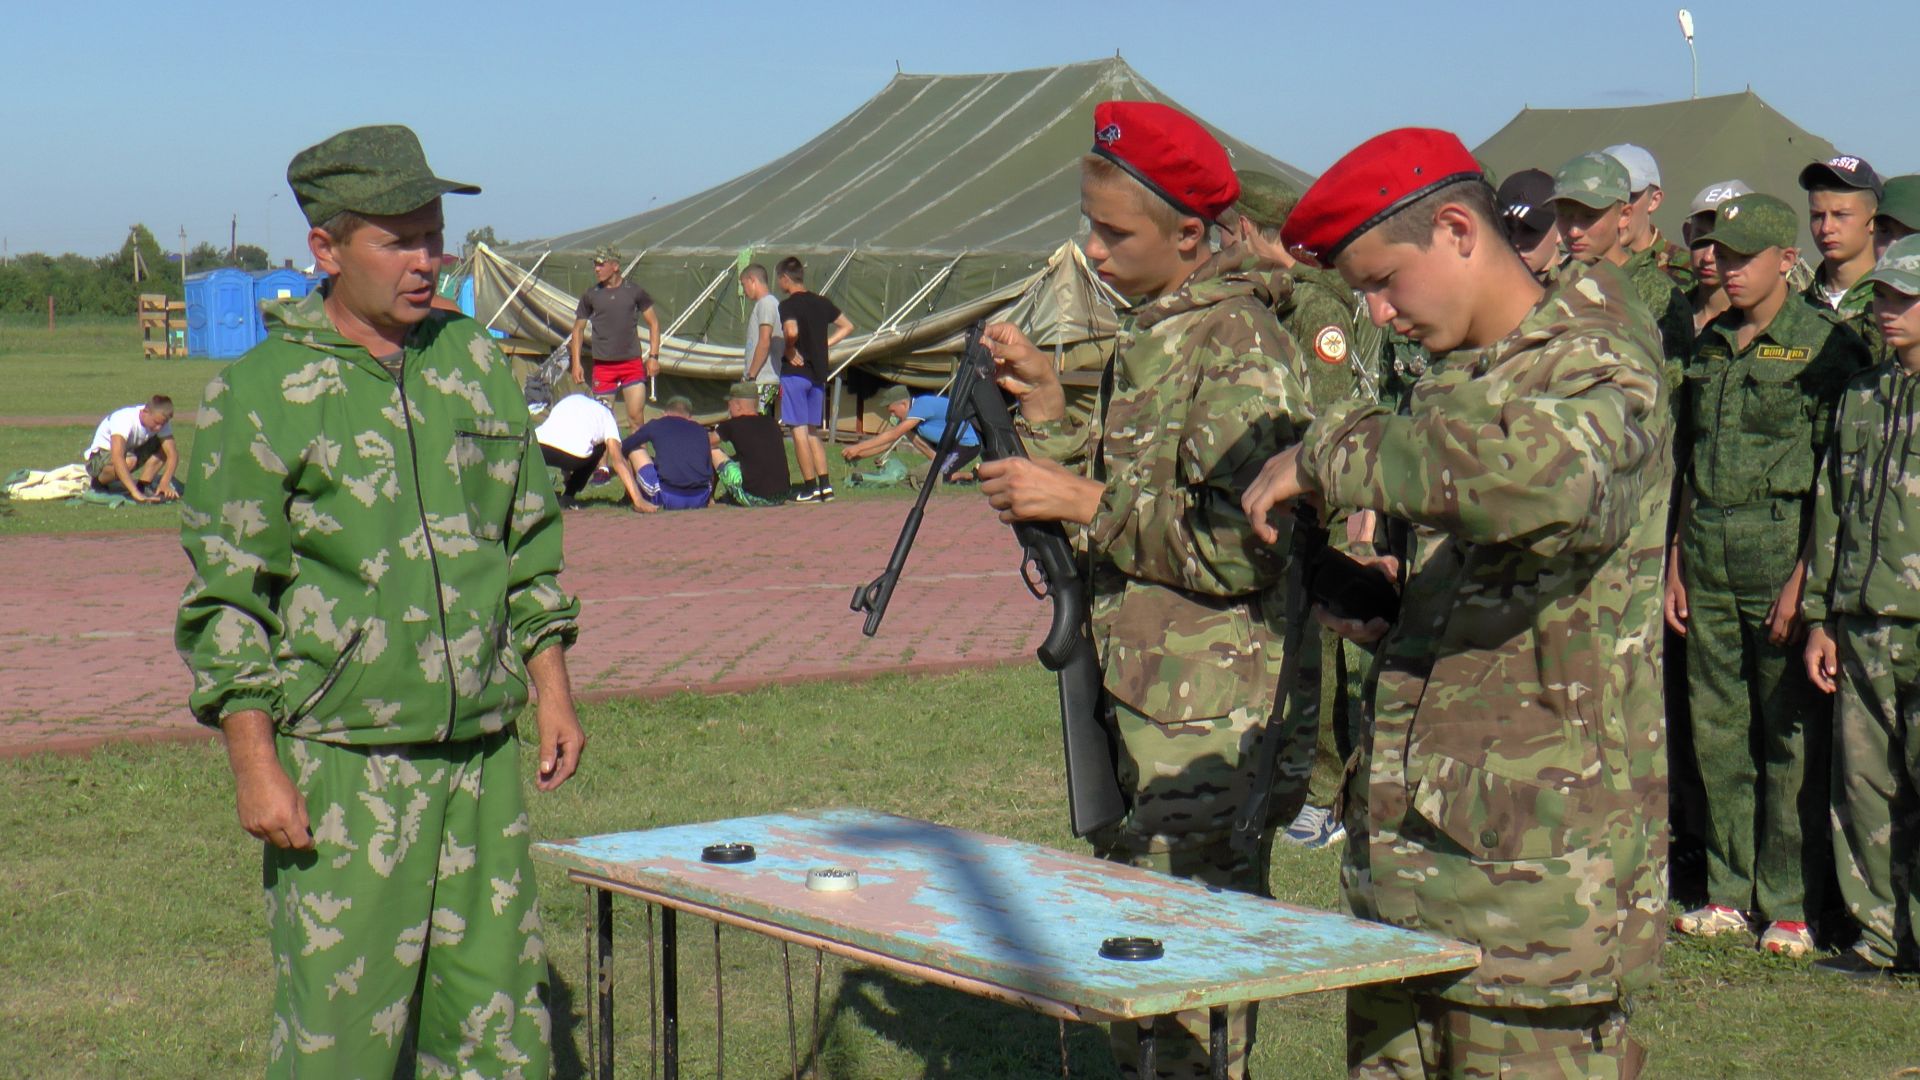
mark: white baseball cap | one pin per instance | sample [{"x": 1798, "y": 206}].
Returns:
[
  {"x": 1642, "y": 171},
  {"x": 1714, "y": 194}
]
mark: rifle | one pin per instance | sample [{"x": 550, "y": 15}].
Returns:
[{"x": 1094, "y": 798}]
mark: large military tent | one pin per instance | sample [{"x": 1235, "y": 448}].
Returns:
[
  {"x": 1697, "y": 142},
  {"x": 941, "y": 199}
]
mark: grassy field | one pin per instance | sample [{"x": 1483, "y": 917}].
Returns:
[
  {"x": 133, "y": 934},
  {"x": 88, "y": 367}
]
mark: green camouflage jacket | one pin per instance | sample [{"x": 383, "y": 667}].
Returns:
[
  {"x": 1755, "y": 422},
  {"x": 1866, "y": 512},
  {"x": 1672, "y": 311},
  {"x": 374, "y": 561},
  {"x": 1855, "y": 309},
  {"x": 1203, "y": 387},
  {"x": 1515, "y": 785},
  {"x": 1324, "y": 319},
  {"x": 1675, "y": 261}
]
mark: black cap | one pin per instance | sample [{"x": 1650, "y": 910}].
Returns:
[
  {"x": 1843, "y": 170},
  {"x": 1526, "y": 198}
]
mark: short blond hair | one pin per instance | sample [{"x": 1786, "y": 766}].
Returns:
[{"x": 1162, "y": 213}]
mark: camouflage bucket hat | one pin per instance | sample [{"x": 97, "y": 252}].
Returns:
[
  {"x": 1900, "y": 266},
  {"x": 1901, "y": 201},
  {"x": 377, "y": 171},
  {"x": 744, "y": 391},
  {"x": 891, "y": 395},
  {"x": 1265, "y": 200},
  {"x": 1750, "y": 224},
  {"x": 607, "y": 255},
  {"x": 1596, "y": 180}
]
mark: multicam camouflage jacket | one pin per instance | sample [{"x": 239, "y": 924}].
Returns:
[
  {"x": 1515, "y": 785},
  {"x": 1203, "y": 387},
  {"x": 374, "y": 560},
  {"x": 1675, "y": 261},
  {"x": 1866, "y": 512}
]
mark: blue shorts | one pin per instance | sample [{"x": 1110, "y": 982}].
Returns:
[
  {"x": 668, "y": 497},
  {"x": 802, "y": 401}
]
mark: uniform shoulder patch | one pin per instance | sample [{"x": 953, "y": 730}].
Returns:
[{"x": 1330, "y": 345}]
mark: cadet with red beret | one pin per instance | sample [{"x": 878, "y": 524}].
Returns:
[
  {"x": 1203, "y": 386},
  {"x": 1511, "y": 787}
]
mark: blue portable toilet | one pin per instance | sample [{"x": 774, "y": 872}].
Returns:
[
  {"x": 272, "y": 285},
  {"x": 220, "y": 313}
]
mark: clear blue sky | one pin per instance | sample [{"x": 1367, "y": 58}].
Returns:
[{"x": 570, "y": 115}]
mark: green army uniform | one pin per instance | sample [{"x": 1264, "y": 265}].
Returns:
[
  {"x": 1672, "y": 311},
  {"x": 375, "y": 548},
  {"x": 1855, "y": 309},
  {"x": 1674, "y": 260},
  {"x": 1188, "y": 607},
  {"x": 1755, "y": 426},
  {"x": 1864, "y": 588},
  {"x": 1511, "y": 789}
]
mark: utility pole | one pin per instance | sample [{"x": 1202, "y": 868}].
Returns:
[
  {"x": 233, "y": 240},
  {"x": 183, "y": 262}
]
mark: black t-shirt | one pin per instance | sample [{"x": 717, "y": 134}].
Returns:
[
  {"x": 614, "y": 314},
  {"x": 682, "y": 453},
  {"x": 814, "y": 314},
  {"x": 761, "y": 452}
]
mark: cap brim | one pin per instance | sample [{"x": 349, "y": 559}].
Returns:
[
  {"x": 410, "y": 196},
  {"x": 1901, "y": 280},
  {"x": 1737, "y": 246},
  {"x": 1592, "y": 200},
  {"x": 1820, "y": 170}
]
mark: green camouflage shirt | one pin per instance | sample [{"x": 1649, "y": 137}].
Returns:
[
  {"x": 1866, "y": 511},
  {"x": 1324, "y": 319},
  {"x": 1756, "y": 420},
  {"x": 1672, "y": 311},
  {"x": 1515, "y": 786},
  {"x": 1675, "y": 261},
  {"x": 374, "y": 561},
  {"x": 1855, "y": 309},
  {"x": 1203, "y": 387}
]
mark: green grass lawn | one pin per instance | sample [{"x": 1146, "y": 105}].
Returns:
[{"x": 133, "y": 928}]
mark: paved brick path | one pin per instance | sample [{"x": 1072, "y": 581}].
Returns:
[{"x": 714, "y": 601}]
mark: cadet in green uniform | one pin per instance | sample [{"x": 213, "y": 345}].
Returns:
[
  {"x": 1709, "y": 300},
  {"x": 1593, "y": 200},
  {"x": 1512, "y": 782},
  {"x": 1640, "y": 235},
  {"x": 1898, "y": 214},
  {"x": 1759, "y": 403},
  {"x": 1322, "y": 316},
  {"x": 1188, "y": 608},
  {"x": 1843, "y": 195},
  {"x": 1863, "y": 616},
  {"x": 375, "y": 548}
]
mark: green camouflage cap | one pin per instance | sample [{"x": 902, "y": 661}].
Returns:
[
  {"x": 744, "y": 391},
  {"x": 1750, "y": 224},
  {"x": 1900, "y": 266},
  {"x": 377, "y": 171},
  {"x": 891, "y": 394},
  {"x": 1597, "y": 180},
  {"x": 607, "y": 254},
  {"x": 1265, "y": 200},
  {"x": 1901, "y": 201}
]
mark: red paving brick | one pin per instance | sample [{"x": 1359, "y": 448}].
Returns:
[{"x": 719, "y": 600}]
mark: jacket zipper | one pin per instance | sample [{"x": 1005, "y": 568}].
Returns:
[
  {"x": 433, "y": 557},
  {"x": 333, "y": 674},
  {"x": 1900, "y": 409}
]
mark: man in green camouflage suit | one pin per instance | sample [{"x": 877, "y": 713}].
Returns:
[
  {"x": 1511, "y": 787},
  {"x": 1593, "y": 200},
  {"x": 1843, "y": 198},
  {"x": 1188, "y": 609},
  {"x": 1638, "y": 234},
  {"x": 375, "y": 548},
  {"x": 1863, "y": 640},
  {"x": 1757, "y": 409},
  {"x": 1321, "y": 315}
]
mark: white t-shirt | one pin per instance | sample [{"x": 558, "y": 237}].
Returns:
[
  {"x": 576, "y": 424},
  {"x": 766, "y": 312},
  {"x": 126, "y": 424}
]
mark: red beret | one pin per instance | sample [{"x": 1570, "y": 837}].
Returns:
[
  {"x": 1372, "y": 183},
  {"x": 1168, "y": 151}
]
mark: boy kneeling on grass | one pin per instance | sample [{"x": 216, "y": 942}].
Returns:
[
  {"x": 130, "y": 447},
  {"x": 1863, "y": 607}
]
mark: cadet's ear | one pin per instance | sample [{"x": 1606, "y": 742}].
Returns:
[
  {"x": 1191, "y": 235},
  {"x": 1788, "y": 257},
  {"x": 1653, "y": 201},
  {"x": 1456, "y": 225}
]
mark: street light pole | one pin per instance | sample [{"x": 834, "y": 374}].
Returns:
[{"x": 1686, "y": 27}]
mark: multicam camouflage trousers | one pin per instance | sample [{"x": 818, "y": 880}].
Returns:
[
  {"x": 1876, "y": 782},
  {"x": 1393, "y": 1034},
  {"x": 412, "y": 922},
  {"x": 1188, "y": 781}
]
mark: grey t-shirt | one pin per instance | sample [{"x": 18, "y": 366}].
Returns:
[
  {"x": 614, "y": 315},
  {"x": 766, "y": 312}
]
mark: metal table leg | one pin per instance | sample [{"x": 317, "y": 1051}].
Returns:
[
  {"x": 1217, "y": 1040},
  {"x": 603, "y": 946},
  {"x": 1149, "y": 1069},
  {"x": 670, "y": 991}
]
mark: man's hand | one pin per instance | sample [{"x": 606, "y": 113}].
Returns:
[
  {"x": 1783, "y": 618},
  {"x": 1025, "y": 372},
  {"x": 1362, "y": 527},
  {"x": 653, "y": 363},
  {"x": 1823, "y": 659},
  {"x": 1026, "y": 490},
  {"x": 561, "y": 737},
  {"x": 270, "y": 807},
  {"x": 1674, "y": 602},
  {"x": 1278, "y": 484},
  {"x": 579, "y": 376},
  {"x": 1360, "y": 633}
]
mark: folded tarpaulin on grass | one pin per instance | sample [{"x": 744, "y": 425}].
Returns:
[{"x": 41, "y": 485}]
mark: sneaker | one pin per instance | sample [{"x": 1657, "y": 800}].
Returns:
[
  {"x": 1710, "y": 920},
  {"x": 568, "y": 502},
  {"x": 1315, "y": 828},
  {"x": 1859, "y": 962},
  {"x": 1784, "y": 937},
  {"x": 808, "y": 496},
  {"x": 826, "y": 494}
]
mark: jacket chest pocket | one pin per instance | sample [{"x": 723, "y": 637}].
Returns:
[
  {"x": 489, "y": 466},
  {"x": 1776, "y": 400}
]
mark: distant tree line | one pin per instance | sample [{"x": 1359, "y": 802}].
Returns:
[{"x": 105, "y": 285}]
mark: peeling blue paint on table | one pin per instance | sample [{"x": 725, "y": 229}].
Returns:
[{"x": 1001, "y": 912}]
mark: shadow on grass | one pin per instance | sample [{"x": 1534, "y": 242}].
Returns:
[{"x": 955, "y": 1036}]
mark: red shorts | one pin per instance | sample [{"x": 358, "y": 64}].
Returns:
[{"x": 612, "y": 375}]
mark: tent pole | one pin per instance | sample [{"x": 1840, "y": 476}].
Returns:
[
  {"x": 835, "y": 276},
  {"x": 887, "y": 324},
  {"x": 517, "y": 288}
]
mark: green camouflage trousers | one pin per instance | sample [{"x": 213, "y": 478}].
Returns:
[
  {"x": 413, "y": 920},
  {"x": 1393, "y": 1034},
  {"x": 1761, "y": 732},
  {"x": 1876, "y": 782},
  {"x": 1188, "y": 782},
  {"x": 1337, "y": 697}
]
